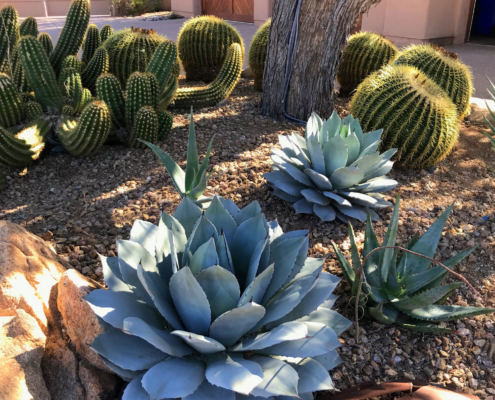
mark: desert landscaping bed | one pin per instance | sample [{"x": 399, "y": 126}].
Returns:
[{"x": 82, "y": 206}]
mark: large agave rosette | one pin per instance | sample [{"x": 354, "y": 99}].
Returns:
[
  {"x": 217, "y": 304},
  {"x": 335, "y": 172}
]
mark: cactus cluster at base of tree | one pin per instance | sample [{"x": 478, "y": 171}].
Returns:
[
  {"x": 445, "y": 69},
  {"x": 219, "y": 89},
  {"x": 203, "y": 44},
  {"x": 46, "y": 42},
  {"x": 9, "y": 32},
  {"x": 29, "y": 27},
  {"x": 365, "y": 54},
  {"x": 417, "y": 116},
  {"x": 91, "y": 42},
  {"x": 257, "y": 54},
  {"x": 105, "y": 32},
  {"x": 405, "y": 289}
]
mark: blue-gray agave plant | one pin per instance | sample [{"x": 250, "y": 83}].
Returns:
[
  {"x": 336, "y": 172},
  {"x": 492, "y": 113},
  {"x": 217, "y": 304}
]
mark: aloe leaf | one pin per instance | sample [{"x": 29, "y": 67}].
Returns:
[
  {"x": 440, "y": 313},
  {"x": 224, "y": 257},
  {"x": 187, "y": 213},
  {"x": 320, "y": 340},
  {"x": 285, "y": 332},
  {"x": 329, "y": 318},
  {"x": 206, "y": 160},
  {"x": 371, "y": 268},
  {"x": 425, "y": 298},
  {"x": 349, "y": 273},
  {"x": 199, "y": 188},
  {"x": 205, "y": 257},
  {"x": 390, "y": 238},
  {"x": 413, "y": 283},
  {"x": 393, "y": 284},
  {"x": 329, "y": 360},
  {"x": 356, "y": 260},
  {"x": 316, "y": 155},
  {"x": 230, "y": 206},
  {"x": 312, "y": 376},
  {"x": 257, "y": 289},
  {"x": 384, "y": 314},
  {"x": 176, "y": 173},
  {"x": 192, "y": 164},
  {"x": 127, "y": 351},
  {"x": 190, "y": 301},
  {"x": 303, "y": 207},
  {"x": 353, "y": 148},
  {"x": 135, "y": 391},
  {"x": 346, "y": 177},
  {"x": 228, "y": 328},
  {"x": 334, "y": 154},
  {"x": 174, "y": 378},
  {"x": 325, "y": 213},
  {"x": 144, "y": 233},
  {"x": 236, "y": 374},
  {"x": 161, "y": 339},
  {"x": 113, "y": 277},
  {"x": 251, "y": 211},
  {"x": 161, "y": 298},
  {"x": 422, "y": 326},
  {"x": 115, "y": 307},
  {"x": 279, "y": 378},
  {"x": 221, "y": 289},
  {"x": 207, "y": 391},
  {"x": 376, "y": 185},
  {"x": 202, "y": 344}
]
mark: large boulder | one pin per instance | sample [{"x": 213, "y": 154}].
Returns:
[{"x": 22, "y": 345}]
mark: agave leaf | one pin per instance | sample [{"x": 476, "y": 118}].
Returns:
[
  {"x": 352, "y": 212},
  {"x": 236, "y": 374},
  {"x": 279, "y": 378},
  {"x": 161, "y": 298},
  {"x": 230, "y": 206},
  {"x": 320, "y": 180},
  {"x": 169, "y": 228},
  {"x": 382, "y": 162},
  {"x": 221, "y": 219},
  {"x": 207, "y": 391},
  {"x": 330, "y": 302},
  {"x": 176, "y": 173},
  {"x": 254, "y": 262},
  {"x": 376, "y": 185},
  {"x": 125, "y": 374},
  {"x": 370, "y": 150},
  {"x": 115, "y": 307},
  {"x": 329, "y": 360},
  {"x": 425, "y": 298},
  {"x": 285, "y": 332},
  {"x": 346, "y": 177},
  {"x": 313, "y": 196},
  {"x": 294, "y": 172},
  {"x": 364, "y": 200},
  {"x": 279, "y": 155},
  {"x": 257, "y": 289},
  {"x": 206, "y": 160},
  {"x": 200, "y": 343},
  {"x": 290, "y": 186},
  {"x": 274, "y": 176},
  {"x": 286, "y": 196},
  {"x": 379, "y": 172},
  {"x": 334, "y": 154},
  {"x": 384, "y": 314},
  {"x": 190, "y": 301},
  {"x": 329, "y": 318},
  {"x": 300, "y": 149},
  {"x": 313, "y": 126},
  {"x": 174, "y": 378},
  {"x": 127, "y": 351},
  {"x": 312, "y": 266},
  {"x": 390, "y": 238},
  {"x": 203, "y": 231},
  {"x": 316, "y": 155},
  {"x": 275, "y": 230},
  {"x": 228, "y": 328},
  {"x": 144, "y": 233},
  {"x": 353, "y": 148},
  {"x": 135, "y": 391},
  {"x": 440, "y": 313},
  {"x": 364, "y": 163},
  {"x": 370, "y": 138},
  {"x": 221, "y": 289},
  {"x": 325, "y": 213},
  {"x": 286, "y": 145},
  {"x": 245, "y": 240},
  {"x": 204, "y": 257},
  {"x": 333, "y": 125},
  {"x": 251, "y": 211},
  {"x": 113, "y": 277},
  {"x": 303, "y": 207},
  {"x": 224, "y": 257},
  {"x": 312, "y": 376},
  {"x": 187, "y": 213},
  {"x": 161, "y": 339}
]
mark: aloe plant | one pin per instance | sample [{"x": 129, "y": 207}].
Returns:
[
  {"x": 492, "y": 113},
  {"x": 403, "y": 289},
  {"x": 193, "y": 181},
  {"x": 217, "y": 304}
]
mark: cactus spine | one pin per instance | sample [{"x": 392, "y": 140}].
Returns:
[
  {"x": 219, "y": 89},
  {"x": 416, "y": 115},
  {"x": 141, "y": 91},
  {"x": 33, "y": 110},
  {"x": 87, "y": 98},
  {"x": 98, "y": 65},
  {"x": 145, "y": 128},
  {"x": 11, "y": 109},
  {"x": 169, "y": 92},
  {"x": 40, "y": 75},
  {"x": 71, "y": 87},
  {"x": 109, "y": 90},
  {"x": 91, "y": 43},
  {"x": 165, "y": 122},
  {"x": 85, "y": 137},
  {"x": 72, "y": 62},
  {"x": 21, "y": 149},
  {"x": 29, "y": 27},
  {"x": 257, "y": 54},
  {"x": 19, "y": 75},
  {"x": 163, "y": 62},
  {"x": 445, "y": 69},
  {"x": 203, "y": 44},
  {"x": 365, "y": 53},
  {"x": 9, "y": 32},
  {"x": 72, "y": 34},
  {"x": 46, "y": 41},
  {"x": 106, "y": 32}
]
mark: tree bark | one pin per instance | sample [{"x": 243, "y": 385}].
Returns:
[{"x": 324, "y": 26}]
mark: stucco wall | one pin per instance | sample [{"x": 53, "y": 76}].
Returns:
[{"x": 54, "y": 8}]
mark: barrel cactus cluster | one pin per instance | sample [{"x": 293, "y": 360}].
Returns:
[
  {"x": 257, "y": 54},
  {"x": 217, "y": 304}
]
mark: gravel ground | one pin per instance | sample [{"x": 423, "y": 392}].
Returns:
[{"x": 82, "y": 206}]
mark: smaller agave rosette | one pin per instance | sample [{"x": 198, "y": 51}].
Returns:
[
  {"x": 217, "y": 304},
  {"x": 335, "y": 172}
]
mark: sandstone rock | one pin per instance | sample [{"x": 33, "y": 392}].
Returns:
[
  {"x": 79, "y": 320},
  {"x": 21, "y": 350},
  {"x": 247, "y": 74},
  {"x": 29, "y": 270}
]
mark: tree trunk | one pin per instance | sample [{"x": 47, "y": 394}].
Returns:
[{"x": 324, "y": 26}]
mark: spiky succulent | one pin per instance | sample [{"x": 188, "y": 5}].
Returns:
[
  {"x": 403, "y": 289},
  {"x": 217, "y": 304},
  {"x": 336, "y": 172},
  {"x": 492, "y": 113}
]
